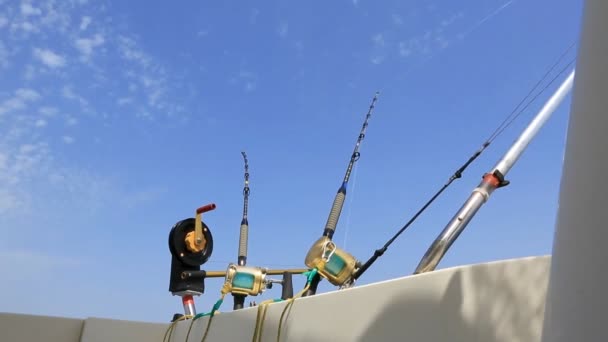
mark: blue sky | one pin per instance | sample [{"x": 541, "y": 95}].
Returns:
[{"x": 118, "y": 119}]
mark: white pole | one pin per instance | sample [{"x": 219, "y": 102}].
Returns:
[
  {"x": 577, "y": 299},
  {"x": 491, "y": 181},
  {"x": 516, "y": 150}
]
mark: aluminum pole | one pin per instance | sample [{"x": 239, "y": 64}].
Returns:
[{"x": 491, "y": 181}]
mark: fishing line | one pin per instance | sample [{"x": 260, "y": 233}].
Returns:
[
  {"x": 513, "y": 115},
  {"x": 458, "y": 174}
]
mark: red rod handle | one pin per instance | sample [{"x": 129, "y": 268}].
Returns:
[{"x": 205, "y": 208}]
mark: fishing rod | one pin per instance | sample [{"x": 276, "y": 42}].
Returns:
[
  {"x": 515, "y": 113},
  {"x": 239, "y": 299},
  {"x": 242, "y": 260},
  {"x": 336, "y": 208},
  {"x": 340, "y": 269},
  {"x": 241, "y": 280},
  {"x": 491, "y": 181}
]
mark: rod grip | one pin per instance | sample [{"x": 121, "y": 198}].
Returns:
[
  {"x": 334, "y": 214},
  {"x": 205, "y": 208},
  {"x": 243, "y": 240}
]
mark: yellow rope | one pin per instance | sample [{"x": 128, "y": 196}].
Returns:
[
  {"x": 172, "y": 326},
  {"x": 290, "y": 302},
  {"x": 259, "y": 320},
  {"x": 190, "y": 327},
  {"x": 224, "y": 291}
]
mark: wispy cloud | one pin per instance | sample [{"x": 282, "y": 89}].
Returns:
[
  {"x": 37, "y": 123},
  {"x": 253, "y": 16},
  {"x": 3, "y": 21},
  {"x": 27, "y": 9},
  {"x": 48, "y": 111},
  {"x": 39, "y": 263},
  {"x": 485, "y": 19},
  {"x": 85, "y": 22},
  {"x": 68, "y": 93},
  {"x": 283, "y": 29},
  {"x": 378, "y": 49},
  {"x": 49, "y": 58},
  {"x": 3, "y": 56},
  {"x": 86, "y": 45},
  {"x": 246, "y": 79},
  {"x": 67, "y": 139},
  {"x": 40, "y": 123},
  {"x": 397, "y": 19},
  {"x": 431, "y": 40},
  {"x": 19, "y": 100}
]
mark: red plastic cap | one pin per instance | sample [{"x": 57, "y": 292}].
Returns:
[
  {"x": 205, "y": 208},
  {"x": 187, "y": 299}
]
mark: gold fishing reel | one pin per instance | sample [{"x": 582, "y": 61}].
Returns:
[
  {"x": 245, "y": 280},
  {"x": 332, "y": 263}
]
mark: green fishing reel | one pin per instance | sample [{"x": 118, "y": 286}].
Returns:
[{"x": 333, "y": 263}]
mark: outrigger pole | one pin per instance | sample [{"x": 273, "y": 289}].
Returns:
[{"x": 491, "y": 181}]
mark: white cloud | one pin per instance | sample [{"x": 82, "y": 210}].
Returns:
[
  {"x": 141, "y": 197},
  {"x": 71, "y": 121},
  {"x": 28, "y": 10},
  {"x": 40, "y": 264},
  {"x": 48, "y": 111},
  {"x": 27, "y": 94},
  {"x": 19, "y": 100},
  {"x": 378, "y": 40},
  {"x": 377, "y": 60},
  {"x": 378, "y": 53},
  {"x": 253, "y": 17},
  {"x": 3, "y": 56},
  {"x": 30, "y": 72},
  {"x": 69, "y": 94},
  {"x": 397, "y": 20},
  {"x": 247, "y": 79},
  {"x": 8, "y": 201},
  {"x": 49, "y": 58},
  {"x": 299, "y": 46},
  {"x": 124, "y": 101},
  {"x": 283, "y": 29},
  {"x": 40, "y": 123},
  {"x": 26, "y": 26},
  {"x": 85, "y": 22},
  {"x": 21, "y": 160},
  {"x": 67, "y": 139},
  {"x": 431, "y": 40},
  {"x": 131, "y": 52},
  {"x": 86, "y": 45},
  {"x": 404, "y": 49}
]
